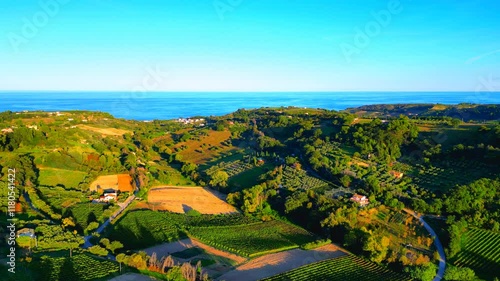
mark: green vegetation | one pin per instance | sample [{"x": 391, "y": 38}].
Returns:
[
  {"x": 294, "y": 179},
  {"x": 480, "y": 252},
  {"x": 254, "y": 239},
  {"x": 347, "y": 268},
  {"x": 275, "y": 165},
  {"x": 247, "y": 179},
  {"x": 78, "y": 267},
  {"x": 141, "y": 229},
  {"x": 86, "y": 213},
  {"x": 234, "y": 233},
  {"x": 60, "y": 177}
]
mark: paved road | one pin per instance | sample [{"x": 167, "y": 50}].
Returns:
[
  {"x": 439, "y": 246},
  {"x": 103, "y": 226}
]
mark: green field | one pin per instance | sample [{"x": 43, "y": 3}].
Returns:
[
  {"x": 480, "y": 252},
  {"x": 248, "y": 178},
  {"x": 142, "y": 229},
  {"x": 234, "y": 233},
  {"x": 299, "y": 179},
  {"x": 54, "y": 177},
  {"x": 85, "y": 213},
  {"x": 79, "y": 267},
  {"x": 59, "y": 198},
  {"x": 347, "y": 268},
  {"x": 445, "y": 175},
  {"x": 253, "y": 239}
]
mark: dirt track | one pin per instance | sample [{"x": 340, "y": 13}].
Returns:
[
  {"x": 273, "y": 264},
  {"x": 182, "y": 199}
]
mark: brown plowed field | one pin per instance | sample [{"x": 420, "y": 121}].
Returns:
[
  {"x": 182, "y": 199},
  {"x": 122, "y": 182}
]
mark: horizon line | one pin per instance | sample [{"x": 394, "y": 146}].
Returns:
[{"x": 225, "y": 91}]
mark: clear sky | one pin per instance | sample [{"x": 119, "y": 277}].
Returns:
[{"x": 250, "y": 45}]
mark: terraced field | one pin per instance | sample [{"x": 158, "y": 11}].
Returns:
[
  {"x": 446, "y": 175},
  {"x": 254, "y": 239},
  {"x": 481, "y": 252},
  {"x": 299, "y": 179},
  {"x": 347, "y": 268}
]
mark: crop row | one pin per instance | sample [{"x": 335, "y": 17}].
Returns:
[
  {"x": 481, "y": 251},
  {"x": 79, "y": 267},
  {"x": 236, "y": 167},
  {"x": 347, "y": 268},
  {"x": 298, "y": 179},
  {"x": 253, "y": 239}
]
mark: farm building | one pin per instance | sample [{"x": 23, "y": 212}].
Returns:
[
  {"x": 8, "y": 130},
  {"x": 108, "y": 195},
  {"x": 360, "y": 199}
]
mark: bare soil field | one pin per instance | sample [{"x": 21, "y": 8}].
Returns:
[
  {"x": 182, "y": 199},
  {"x": 105, "y": 131},
  {"x": 199, "y": 152},
  {"x": 273, "y": 264},
  {"x": 181, "y": 245},
  {"x": 122, "y": 182}
]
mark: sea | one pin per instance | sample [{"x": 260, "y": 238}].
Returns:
[{"x": 173, "y": 105}]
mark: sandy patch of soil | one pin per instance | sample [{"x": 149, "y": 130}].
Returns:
[
  {"x": 182, "y": 199},
  {"x": 105, "y": 131},
  {"x": 273, "y": 264}
]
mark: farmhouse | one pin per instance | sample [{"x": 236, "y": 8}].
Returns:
[
  {"x": 108, "y": 195},
  {"x": 396, "y": 174},
  {"x": 360, "y": 199},
  {"x": 7, "y": 130}
]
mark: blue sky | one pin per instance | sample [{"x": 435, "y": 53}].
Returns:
[{"x": 250, "y": 45}]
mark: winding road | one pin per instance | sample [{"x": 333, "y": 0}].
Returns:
[
  {"x": 439, "y": 246},
  {"x": 103, "y": 226}
]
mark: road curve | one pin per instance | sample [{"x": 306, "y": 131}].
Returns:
[
  {"x": 439, "y": 246},
  {"x": 103, "y": 226}
]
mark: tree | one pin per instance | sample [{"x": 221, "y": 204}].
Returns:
[
  {"x": 138, "y": 261},
  {"x": 115, "y": 245},
  {"x": 425, "y": 272},
  {"x": 219, "y": 178},
  {"x": 104, "y": 242},
  {"x": 346, "y": 180},
  {"x": 98, "y": 250},
  {"x": 377, "y": 246},
  {"x": 91, "y": 227},
  {"x": 459, "y": 273},
  {"x": 121, "y": 258},
  {"x": 68, "y": 222}
]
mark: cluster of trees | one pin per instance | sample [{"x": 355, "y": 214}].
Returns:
[
  {"x": 105, "y": 246},
  {"x": 384, "y": 141},
  {"x": 166, "y": 265},
  {"x": 55, "y": 237},
  {"x": 253, "y": 201}
]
